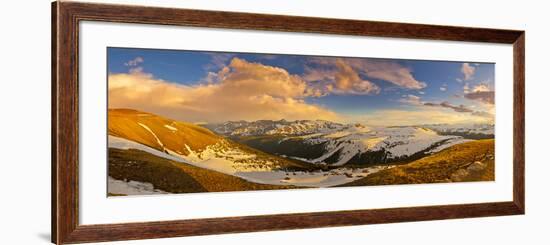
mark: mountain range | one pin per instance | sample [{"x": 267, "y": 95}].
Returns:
[
  {"x": 335, "y": 144},
  {"x": 151, "y": 154}
]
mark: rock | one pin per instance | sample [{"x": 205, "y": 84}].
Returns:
[
  {"x": 458, "y": 175},
  {"x": 477, "y": 166}
]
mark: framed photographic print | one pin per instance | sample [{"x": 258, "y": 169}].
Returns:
[{"x": 175, "y": 122}]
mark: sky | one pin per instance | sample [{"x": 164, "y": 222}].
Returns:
[{"x": 213, "y": 87}]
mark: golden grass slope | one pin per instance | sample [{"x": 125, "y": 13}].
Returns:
[
  {"x": 174, "y": 135},
  {"x": 175, "y": 177},
  {"x": 471, "y": 161}
]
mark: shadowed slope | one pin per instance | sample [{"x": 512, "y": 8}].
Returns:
[{"x": 175, "y": 177}]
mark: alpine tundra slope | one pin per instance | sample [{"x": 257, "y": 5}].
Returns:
[{"x": 151, "y": 154}]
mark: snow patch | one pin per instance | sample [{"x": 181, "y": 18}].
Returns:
[
  {"x": 338, "y": 134},
  {"x": 310, "y": 179},
  {"x": 396, "y": 141},
  {"x": 448, "y": 144},
  {"x": 371, "y": 143},
  {"x": 237, "y": 163},
  {"x": 124, "y": 144},
  {"x": 151, "y": 131},
  {"x": 170, "y": 127},
  {"x": 220, "y": 157},
  {"x": 131, "y": 187},
  {"x": 224, "y": 158}
]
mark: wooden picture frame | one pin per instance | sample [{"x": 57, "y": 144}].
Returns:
[{"x": 65, "y": 121}]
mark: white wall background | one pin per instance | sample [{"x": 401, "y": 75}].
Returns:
[{"x": 25, "y": 121}]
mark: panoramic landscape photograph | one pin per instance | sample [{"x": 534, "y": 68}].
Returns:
[{"x": 183, "y": 121}]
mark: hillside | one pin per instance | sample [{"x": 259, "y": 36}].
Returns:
[
  {"x": 191, "y": 143},
  {"x": 158, "y": 132},
  {"x": 285, "y": 146},
  {"x": 174, "y": 177},
  {"x": 470, "y": 161}
]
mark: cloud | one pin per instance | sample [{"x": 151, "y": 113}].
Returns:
[
  {"x": 421, "y": 116},
  {"x": 468, "y": 71},
  {"x": 461, "y": 109},
  {"x": 445, "y": 104},
  {"x": 347, "y": 79},
  {"x": 481, "y": 92},
  {"x": 443, "y": 87},
  {"x": 327, "y": 69},
  {"x": 134, "y": 62},
  {"x": 411, "y": 100},
  {"x": 242, "y": 91},
  {"x": 482, "y": 114},
  {"x": 482, "y": 87},
  {"x": 391, "y": 72},
  {"x": 218, "y": 60},
  {"x": 482, "y": 96},
  {"x": 417, "y": 101},
  {"x": 466, "y": 88},
  {"x": 340, "y": 78}
]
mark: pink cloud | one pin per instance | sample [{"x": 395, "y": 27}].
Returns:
[{"x": 388, "y": 71}]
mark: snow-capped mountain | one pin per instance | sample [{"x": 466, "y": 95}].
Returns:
[
  {"x": 471, "y": 131},
  {"x": 270, "y": 127},
  {"x": 337, "y": 144},
  {"x": 377, "y": 145}
]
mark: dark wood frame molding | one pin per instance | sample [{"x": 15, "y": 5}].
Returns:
[{"x": 65, "y": 37}]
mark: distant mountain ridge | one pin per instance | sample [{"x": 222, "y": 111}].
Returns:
[
  {"x": 336, "y": 144},
  {"x": 304, "y": 127},
  {"x": 469, "y": 131},
  {"x": 271, "y": 127}
]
